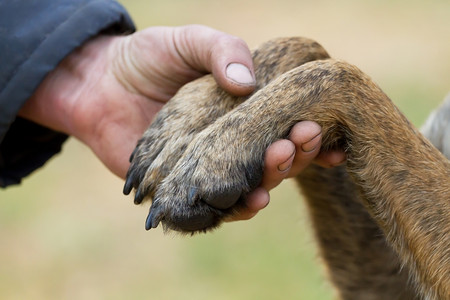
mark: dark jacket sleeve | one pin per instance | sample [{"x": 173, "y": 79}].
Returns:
[{"x": 35, "y": 35}]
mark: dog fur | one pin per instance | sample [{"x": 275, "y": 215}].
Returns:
[{"x": 382, "y": 221}]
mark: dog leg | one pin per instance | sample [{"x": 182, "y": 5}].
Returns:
[{"x": 402, "y": 179}]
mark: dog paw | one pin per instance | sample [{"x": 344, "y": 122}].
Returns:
[
  {"x": 207, "y": 184},
  {"x": 159, "y": 149},
  {"x": 175, "y": 126}
]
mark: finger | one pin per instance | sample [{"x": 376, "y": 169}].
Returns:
[
  {"x": 277, "y": 163},
  {"x": 306, "y": 137},
  {"x": 330, "y": 159},
  {"x": 255, "y": 201},
  {"x": 226, "y": 56}
]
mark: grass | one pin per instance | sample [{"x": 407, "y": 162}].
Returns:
[{"x": 68, "y": 233}]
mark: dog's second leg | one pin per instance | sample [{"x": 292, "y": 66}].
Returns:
[
  {"x": 359, "y": 260},
  {"x": 402, "y": 179}
]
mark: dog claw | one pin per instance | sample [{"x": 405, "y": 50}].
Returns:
[
  {"x": 139, "y": 196},
  {"x": 154, "y": 217},
  {"x": 149, "y": 222},
  {"x": 128, "y": 186}
]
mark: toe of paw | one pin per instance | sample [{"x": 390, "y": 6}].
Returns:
[{"x": 223, "y": 199}]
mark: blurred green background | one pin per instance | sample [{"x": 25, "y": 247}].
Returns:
[{"x": 68, "y": 232}]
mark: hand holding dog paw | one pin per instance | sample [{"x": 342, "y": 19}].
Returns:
[{"x": 107, "y": 92}]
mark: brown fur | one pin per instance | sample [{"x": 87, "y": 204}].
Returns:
[{"x": 382, "y": 221}]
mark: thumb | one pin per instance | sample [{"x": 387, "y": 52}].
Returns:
[{"x": 226, "y": 56}]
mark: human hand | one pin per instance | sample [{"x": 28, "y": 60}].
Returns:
[{"x": 107, "y": 92}]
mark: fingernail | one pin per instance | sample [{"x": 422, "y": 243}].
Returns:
[
  {"x": 287, "y": 164},
  {"x": 239, "y": 74},
  {"x": 312, "y": 144}
]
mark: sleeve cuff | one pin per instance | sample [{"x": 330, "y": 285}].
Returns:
[{"x": 24, "y": 145}]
